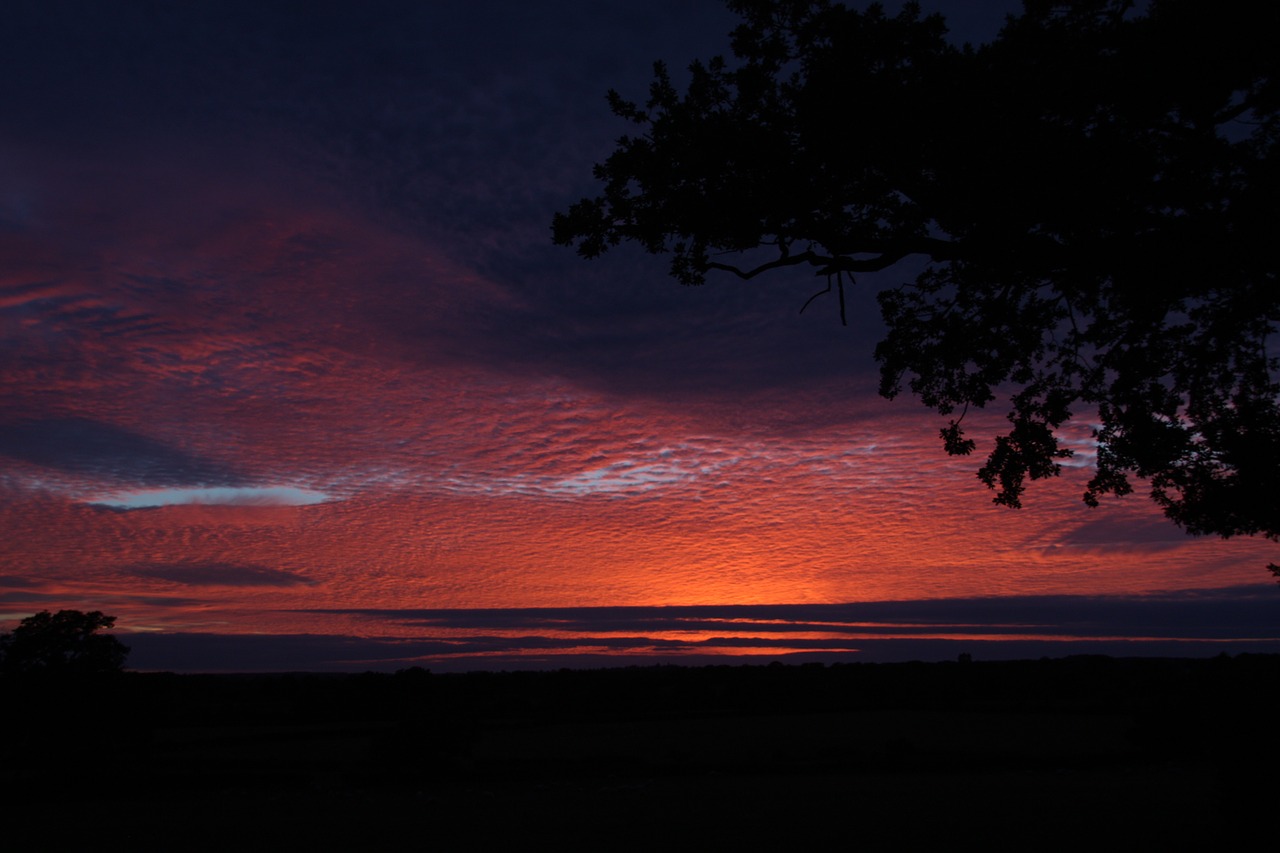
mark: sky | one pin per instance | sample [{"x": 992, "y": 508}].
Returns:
[{"x": 292, "y": 377}]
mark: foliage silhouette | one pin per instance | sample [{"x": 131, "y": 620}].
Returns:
[
  {"x": 1097, "y": 191},
  {"x": 64, "y": 643}
]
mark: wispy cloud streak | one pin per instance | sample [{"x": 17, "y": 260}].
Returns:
[{"x": 1185, "y": 624}]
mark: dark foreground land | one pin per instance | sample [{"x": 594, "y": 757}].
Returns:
[{"x": 1051, "y": 754}]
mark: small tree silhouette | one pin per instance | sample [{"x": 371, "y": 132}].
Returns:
[{"x": 66, "y": 642}]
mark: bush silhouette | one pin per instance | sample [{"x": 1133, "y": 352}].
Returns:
[{"x": 67, "y": 642}]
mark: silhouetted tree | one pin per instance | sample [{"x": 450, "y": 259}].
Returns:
[
  {"x": 1097, "y": 191},
  {"x": 66, "y": 642}
]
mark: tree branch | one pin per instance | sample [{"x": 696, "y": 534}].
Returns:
[
  {"x": 887, "y": 255},
  {"x": 784, "y": 261}
]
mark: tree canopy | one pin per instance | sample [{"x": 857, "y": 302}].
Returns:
[
  {"x": 62, "y": 643},
  {"x": 1096, "y": 191}
]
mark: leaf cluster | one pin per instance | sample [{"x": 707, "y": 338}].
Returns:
[{"x": 1097, "y": 191}]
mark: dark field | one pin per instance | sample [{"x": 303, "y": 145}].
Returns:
[{"x": 1051, "y": 754}]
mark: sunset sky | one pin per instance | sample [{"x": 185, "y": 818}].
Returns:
[{"x": 292, "y": 377}]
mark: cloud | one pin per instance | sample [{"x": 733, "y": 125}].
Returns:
[
  {"x": 11, "y": 599},
  {"x": 1189, "y": 623},
  {"x": 1186, "y": 614},
  {"x": 1119, "y": 531},
  {"x": 218, "y": 574},
  {"x": 84, "y": 446},
  {"x": 18, "y": 582},
  {"x": 265, "y": 496}
]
